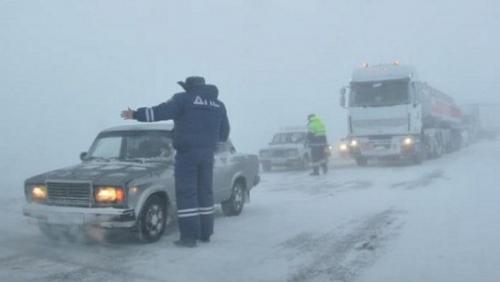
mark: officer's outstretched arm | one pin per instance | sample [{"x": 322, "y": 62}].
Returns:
[{"x": 164, "y": 111}]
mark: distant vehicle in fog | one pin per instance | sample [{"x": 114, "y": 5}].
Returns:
[
  {"x": 288, "y": 148},
  {"x": 394, "y": 115},
  {"x": 481, "y": 121},
  {"x": 126, "y": 181}
]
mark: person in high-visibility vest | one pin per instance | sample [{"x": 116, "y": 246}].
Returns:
[{"x": 318, "y": 143}]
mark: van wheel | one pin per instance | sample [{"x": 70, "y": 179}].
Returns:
[
  {"x": 152, "y": 219},
  {"x": 235, "y": 204}
]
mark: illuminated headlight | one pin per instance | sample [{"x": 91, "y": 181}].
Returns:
[
  {"x": 109, "y": 194},
  {"x": 407, "y": 141},
  {"x": 38, "y": 192},
  {"x": 354, "y": 143},
  {"x": 343, "y": 147}
]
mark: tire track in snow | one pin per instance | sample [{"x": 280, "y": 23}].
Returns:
[
  {"x": 41, "y": 260},
  {"x": 333, "y": 258},
  {"x": 423, "y": 181}
]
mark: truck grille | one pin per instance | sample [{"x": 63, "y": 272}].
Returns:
[{"x": 71, "y": 194}]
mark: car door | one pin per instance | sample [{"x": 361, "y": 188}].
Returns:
[{"x": 222, "y": 172}]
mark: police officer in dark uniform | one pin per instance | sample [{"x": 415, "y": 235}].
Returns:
[{"x": 200, "y": 122}]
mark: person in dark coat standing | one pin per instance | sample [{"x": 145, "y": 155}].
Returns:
[
  {"x": 200, "y": 122},
  {"x": 317, "y": 141}
]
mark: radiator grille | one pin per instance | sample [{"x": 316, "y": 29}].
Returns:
[{"x": 74, "y": 194}]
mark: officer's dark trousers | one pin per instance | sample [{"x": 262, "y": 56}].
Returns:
[{"x": 194, "y": 194}]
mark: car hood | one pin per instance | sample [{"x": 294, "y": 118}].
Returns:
[{"x": 102, "y": 173}]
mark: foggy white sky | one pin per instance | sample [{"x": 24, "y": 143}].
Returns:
[{"x": 67, "y": 68}]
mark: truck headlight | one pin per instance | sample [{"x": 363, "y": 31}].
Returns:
[
  {"x": 408, "y": 141},
  {"x": 38, "y": 192},
  {"x": 108, "y": 194},
  {"x": 354, "y": 143}
]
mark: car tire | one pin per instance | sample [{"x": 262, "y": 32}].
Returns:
[
  {"x": 235, "y": 204},
  {"x": 152, "y": 219}
]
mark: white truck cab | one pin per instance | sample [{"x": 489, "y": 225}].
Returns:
[{"x": 391, "y": 114}]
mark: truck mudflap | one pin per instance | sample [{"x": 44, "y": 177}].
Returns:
[{"x": 98, "y": 217}]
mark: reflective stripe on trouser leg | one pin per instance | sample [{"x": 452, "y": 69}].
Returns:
[
  {"x": 188, "y": 217},
  {"x": 205, "y": 193}
]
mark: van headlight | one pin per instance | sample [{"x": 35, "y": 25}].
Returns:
[
  {"x": 408, "y": 141},
  {"x": 109, "y": 194},
  {"x": 37, "y": 192}
]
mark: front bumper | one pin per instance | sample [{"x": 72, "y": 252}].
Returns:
[
  {"x": 282, "y": 161},
  {"x": 384, "y": 149},
  {"x": 98, "y": 217}
]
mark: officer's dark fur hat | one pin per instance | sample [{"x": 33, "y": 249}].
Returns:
[{"x": 191, "y": 82}]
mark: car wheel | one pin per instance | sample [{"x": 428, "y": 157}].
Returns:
[
  {"x": 152, "y": 219},
  {"x": 235, "y": 204}
]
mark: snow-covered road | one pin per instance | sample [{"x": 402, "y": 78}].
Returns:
[{"x": 433, "y": 222}]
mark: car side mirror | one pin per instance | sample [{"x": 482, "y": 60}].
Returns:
[{"x": 83, "y": 156}]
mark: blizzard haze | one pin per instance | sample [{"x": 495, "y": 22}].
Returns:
[{"x": 69, "y": 67}]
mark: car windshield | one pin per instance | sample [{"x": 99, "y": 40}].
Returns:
[
  {"x": 379, "y": 93},
  {"x": 132, "y": 146},
  {"x": 289, "y": 137}
]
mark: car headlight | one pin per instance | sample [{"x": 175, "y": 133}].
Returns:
[
  {"x": 108, "y": 194},
  {"x": 408, "y": 141},
  {"x": 343, "y": 147},
  {"x": 354, "y": 143},
  {"x": 38, "y": 192}
]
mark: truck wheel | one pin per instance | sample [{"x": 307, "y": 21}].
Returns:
[
  {"x": 235, "y": 204},
  {"x": 152, "y": 219},
  {"x": 266, "y": 167},
  {"x": 361, "y": 161}
]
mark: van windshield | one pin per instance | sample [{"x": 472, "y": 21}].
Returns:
[{"x": 379, "y": 93}]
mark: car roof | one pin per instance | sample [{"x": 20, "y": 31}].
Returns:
[{"x": 139, "y": 127}]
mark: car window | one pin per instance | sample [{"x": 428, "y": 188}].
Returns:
[{"x": 107, "y": 147}]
